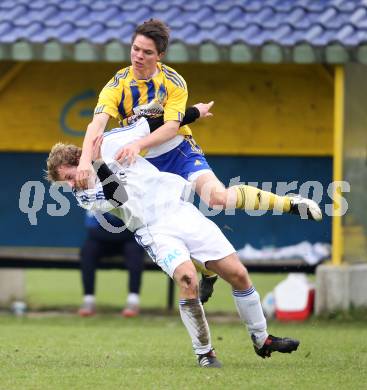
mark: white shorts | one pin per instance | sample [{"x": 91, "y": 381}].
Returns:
[{"x": 182, "y": 235}]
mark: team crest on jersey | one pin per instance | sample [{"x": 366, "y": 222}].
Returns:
[{"x": 160, "y": 96}]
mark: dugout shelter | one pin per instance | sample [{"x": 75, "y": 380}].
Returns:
[{"x": 288, "y": 79}]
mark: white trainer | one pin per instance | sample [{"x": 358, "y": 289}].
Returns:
[{"x": 305, "y": 208}]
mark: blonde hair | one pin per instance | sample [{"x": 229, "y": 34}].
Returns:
[{"x": 61, "y": 154}]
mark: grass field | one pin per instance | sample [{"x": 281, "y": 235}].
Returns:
[{"x": 45, "y": 350}]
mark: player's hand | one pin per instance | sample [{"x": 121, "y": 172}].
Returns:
[
  {"x": 96, "y": 151},
  {"x": 204, "y": 109},
  {"x": 128, "y": 153},
  {"x": 83, "y": 174}
]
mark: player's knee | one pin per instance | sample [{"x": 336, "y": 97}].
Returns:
[{"x": 188, "y": 282}]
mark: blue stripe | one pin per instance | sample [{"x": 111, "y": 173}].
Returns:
[
  {"x": 185, "y": 301},
  {"x": 119, "y": 130},
  {"x": 151, "y": 90},
  {"x": 136, "y": 95},
  {"x": 146, "y": 247},
  {"x": 92, "y": 197},
  {"x": 243, "y": 293},
  {"x": 162, "y": 91},
  {"x": 249, "y": 290},
  {"x": 121, "y": 106},
  {"x": 117, "y": 78},
  {"x": 177, "y": 77},
  {"x": 173, "y": 81},
  {"x": 174, "y": 76},
  {"x": 171, "y": 71},
  {"x": 115, "y": 82}
]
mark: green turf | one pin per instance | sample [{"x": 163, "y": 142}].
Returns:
[
  {"x": 154, "y": 352},
  {"x": 51, "y": 351}
]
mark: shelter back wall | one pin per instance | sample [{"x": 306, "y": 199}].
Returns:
[{"x": 275, "y": 122}]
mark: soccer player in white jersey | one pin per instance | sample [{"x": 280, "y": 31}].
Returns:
[{"x": 152, "y": 204}]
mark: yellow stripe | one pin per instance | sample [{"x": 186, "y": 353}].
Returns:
[
  {"x": 337, "y": 231},
  {"x": 272, "y": 202},
  {"x": 241, "y": 197},
  {"x": 239, "y": 201},
  {"x": 243, "y": 194},
  {"x": 201, "y": 268}
]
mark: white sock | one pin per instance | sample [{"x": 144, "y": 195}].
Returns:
[
  {"x": 133, "y": 299},
  {"x": 89, "y": 299},
  {"x": 249, "y": 308},
  {"x": 193, "y": 317}
]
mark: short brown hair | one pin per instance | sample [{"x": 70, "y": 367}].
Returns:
[
  {"x": 61, "y": 154},
  {"x": 157, "y": 31}
]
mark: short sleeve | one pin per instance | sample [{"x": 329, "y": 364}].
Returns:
[
  {"x": 174, "y": 109},
  {"x": 108, "y": 100}
]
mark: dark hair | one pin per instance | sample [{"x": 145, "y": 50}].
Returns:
[{"x": 157, "y": 31}]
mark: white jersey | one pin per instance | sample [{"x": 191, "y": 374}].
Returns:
[{"x": 151, "y": 193}]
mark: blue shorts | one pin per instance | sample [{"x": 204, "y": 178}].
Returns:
[{"x": 184, "y": 160}]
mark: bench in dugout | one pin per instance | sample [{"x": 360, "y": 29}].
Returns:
[{"x": 68, "y": 258}]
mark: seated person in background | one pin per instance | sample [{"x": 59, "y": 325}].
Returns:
[{"x": 99, "y": 243}]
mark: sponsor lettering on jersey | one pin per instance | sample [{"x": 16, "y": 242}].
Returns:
[{"x": 171, "y": 256}]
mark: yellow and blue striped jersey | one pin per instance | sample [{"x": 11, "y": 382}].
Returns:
[{"x": 123, "y": 93}]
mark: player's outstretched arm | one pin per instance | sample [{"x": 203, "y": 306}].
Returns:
[
  {"x": 204, "y": 109},
  {"x": 199, "y": 110},
  {"x": 164, "y": 133},
  {"x": 94, "y": 129},
  {"x": 113, "y": 188}
]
